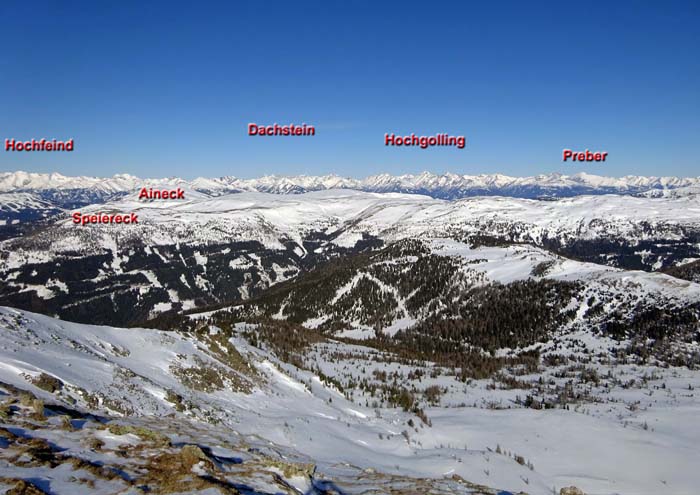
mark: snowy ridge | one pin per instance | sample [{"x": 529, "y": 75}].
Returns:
[
  {"x": 347, "y": 215},
  {"x": 15, "y": 202},
  {"x": 445, "y": 186},
  {"x": 180, "y": 240},
  {"x": 23, "y": 206}
]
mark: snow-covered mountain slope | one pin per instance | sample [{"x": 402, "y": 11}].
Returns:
[
  {"x": 20, "y": 207},
  {"x": 444, "y": 186},
  {"x": 484, "y": 298},
  {"x": 396, "y": 341},
  {"x": 152, "y": 373},
  {"x": 237, "y": 404},
  {"x": 622, "y": 230},
  {"x": 206, "y": 250},
  {"x": 346, "y": 214},
  {"x": 678, "y": 192},
  {"x": 243, "y": 400}
]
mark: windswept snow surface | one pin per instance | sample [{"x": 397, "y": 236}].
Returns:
[{"x": 603, "y": 448}]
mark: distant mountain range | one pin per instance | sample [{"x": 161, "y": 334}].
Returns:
[{"x": 70, "y": 192}]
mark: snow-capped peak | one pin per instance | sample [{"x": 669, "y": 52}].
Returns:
[{"x": 444, "y": 186}]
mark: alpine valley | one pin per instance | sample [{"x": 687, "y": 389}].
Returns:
[{"x": 440, "y": 334}]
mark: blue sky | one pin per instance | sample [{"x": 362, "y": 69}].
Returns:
[{"x": 167, "y": 88}]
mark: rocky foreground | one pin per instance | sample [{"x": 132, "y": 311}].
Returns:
[{"x": 48, "y": 448}]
